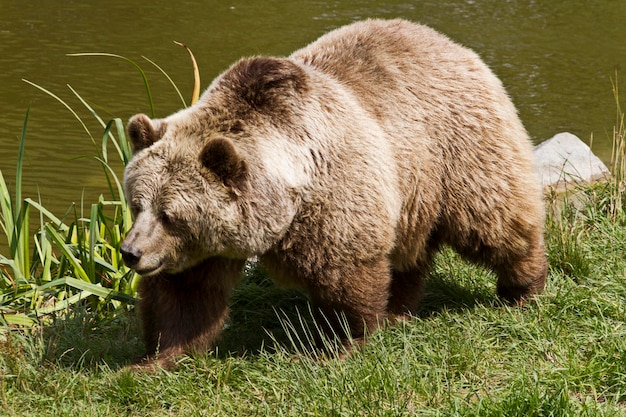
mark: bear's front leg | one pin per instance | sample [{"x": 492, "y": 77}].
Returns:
[{"x": 185, "y": 312}]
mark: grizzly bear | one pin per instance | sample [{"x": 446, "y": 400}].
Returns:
[{"x": 344, "y": 168}]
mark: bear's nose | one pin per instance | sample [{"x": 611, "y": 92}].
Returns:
[{"x": 130, "y": 254}]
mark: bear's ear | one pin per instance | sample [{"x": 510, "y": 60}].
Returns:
[
  {"x": 220, "y": 157},
  {"x": 262, "y": 81},
  {"x": 143, "y": 132}
]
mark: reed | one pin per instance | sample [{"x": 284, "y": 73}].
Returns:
[
  {"x": 618, "y": 158},
  {"x": 67, "y": 264}
]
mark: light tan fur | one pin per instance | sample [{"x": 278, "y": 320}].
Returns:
[{"x": 344, "y": 167}]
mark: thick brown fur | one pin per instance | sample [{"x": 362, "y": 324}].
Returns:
[{"x": 344, "y": 168}]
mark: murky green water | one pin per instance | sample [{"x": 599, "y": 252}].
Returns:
[{"x": 555, "y": 57}]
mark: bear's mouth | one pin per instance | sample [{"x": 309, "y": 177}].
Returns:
[{"x": 145, "y": 272}]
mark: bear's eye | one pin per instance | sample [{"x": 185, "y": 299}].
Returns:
[
  {"x": 135, "y": 208},
  {"x": 166, "y": 219}
]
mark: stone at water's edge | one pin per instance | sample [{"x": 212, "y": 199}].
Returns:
[{"x": 565, "y": 160}]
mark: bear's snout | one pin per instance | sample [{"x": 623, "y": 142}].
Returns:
[{"x": 130, "y": 254}]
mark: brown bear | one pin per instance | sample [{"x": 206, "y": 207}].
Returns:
[{"x": 344, "y": 168}]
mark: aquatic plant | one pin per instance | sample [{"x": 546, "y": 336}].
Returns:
[
  {"x": 618, "y": 158},
  {"x": 67, "y": 263},
  {"x": 75, "y": 261}
]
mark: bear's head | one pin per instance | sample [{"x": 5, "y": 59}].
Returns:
[
  {"x": 207, "y": 181},
  {"x": 183, "y": 198}
]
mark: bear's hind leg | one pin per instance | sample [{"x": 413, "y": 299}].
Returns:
[
  {"x": 407, "y": 285},
  {"x": 520, "y": 277},
  {"x": 407, "y": 289}
]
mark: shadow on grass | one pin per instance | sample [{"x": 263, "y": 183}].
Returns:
[
  {"x": 257, "y": 317},
  {"x": 443, "y": 293},
  {"x": 259, "y": 313}
]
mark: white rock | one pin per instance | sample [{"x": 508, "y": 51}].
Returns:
[{"x": 565, "y": 160}]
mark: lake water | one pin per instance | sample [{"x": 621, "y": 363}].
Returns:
[{"x": 556, "y": 59}]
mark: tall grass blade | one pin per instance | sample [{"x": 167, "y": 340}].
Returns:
[
  {"x": 20, "y": 164},
  {"x": 127, "y": 152},
  {"x": 58, "y": 224},
  {"x": 44, "y": 250},
  {"x": 17, "y": 279},
  {"x": 618, "y": 158},
  {"x": 124, "y": 157},
  {"x": 196, "y": 74},
  {"x": 60, "y": 305},
  {"x": 17, "y": 319},
  {"x": 60, "y": 100},
  {"x": 118, "y": 184},
  {"x": 67, "y": 251},
  {"x": 98, "y": 290},
  {"x": 94, "y": 235},
  {"x": 6, "y": 205},
  {"x": 180, "y": 95},
  {"x": 96, "y": 116},
  {"x": 141, "y": 72},
  {"x": 22, "y": 255},
  {"x": 15, "y": 213}
]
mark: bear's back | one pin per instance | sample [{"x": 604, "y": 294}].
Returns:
[
  {"x": 455, "y": 133},
  {"x": 388, "y": 64}
]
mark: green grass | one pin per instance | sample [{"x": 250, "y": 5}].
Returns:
[{"x": 68, "y": 328}]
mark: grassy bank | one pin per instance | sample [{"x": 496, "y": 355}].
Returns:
[{"x": 464, "y": 354}]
